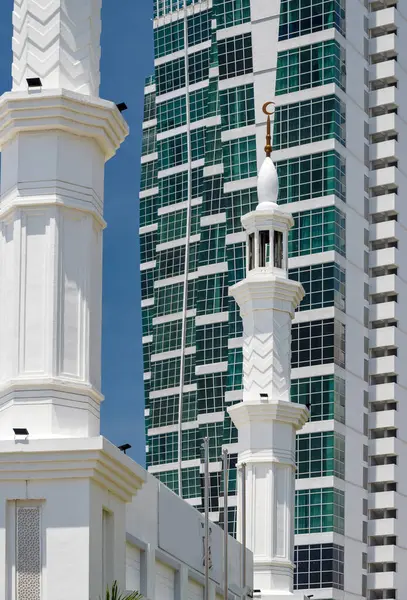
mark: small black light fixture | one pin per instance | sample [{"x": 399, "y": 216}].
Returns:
[
  {"x": 124, "y": 447},
  {"x": 34, "y": 82},
  {"x": 20, "y": 431},
  {"x": 121, "y": 106},
  {"x": 311, "y": 596},
  {"x": 264, "y": 397},
  {"x": 308, "y": 405}
]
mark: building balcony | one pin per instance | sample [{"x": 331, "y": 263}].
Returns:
[
  {"x": 387, "y": 72},
  {"x": 382, "y": 581},
  {"x": 384, "y": 97},
  {"x": 382, "y": 285},
  {"x": 383, "y": 20},
  {"x": 384, "y": 46},
  {"x": 382, "y": 500},
  {"x": 383, "y": 151},
  {"x": 385, "y": 365},
  {"x": 379, "y": 527},
  {"x": 382, "y": 474},
  {"x": 383, "y": 337},
  {"x": 385, "y": 392},
  {"x": 382, "y": 554},
  {"x": 386, "y": 230},
  {"x": 383, "y": 204},
  {"x": 383, "y": 419},
  {"x": 386, "y": 257},
  {"x": 384, "y": 446},
  {"x": 384, "y": 311},
  {"x": 386, "y": 178},
  {"x": 383, "y": 124}
]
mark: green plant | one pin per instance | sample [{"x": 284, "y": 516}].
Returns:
[{"x": 113, "y": 593}]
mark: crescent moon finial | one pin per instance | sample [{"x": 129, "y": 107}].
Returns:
[
  {"x": 265, "y": 107},
  {"x": 268, "y": 148}
]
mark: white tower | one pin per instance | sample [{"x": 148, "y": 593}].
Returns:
[
  {"x": 266, "y": 419},
  {"x": 63, "y": 488}
]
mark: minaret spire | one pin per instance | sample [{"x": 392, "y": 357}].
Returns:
[{"x": 266, "y": 419}]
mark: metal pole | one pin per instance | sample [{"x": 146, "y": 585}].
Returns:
[
  {"x": 243, "y": 525},
  {"x": 206, "y": 504},
  {"x": 225, "y": 522}
]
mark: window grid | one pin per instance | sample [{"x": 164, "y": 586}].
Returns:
[
  {"x": 171, "y": 113},
  {"x": 235, "y": 320},
  {"x": 148, "y": 210},
  {"x": 199, "y": 28},
  {"x": 213, "y": 197},
  {"x": 174, "y": 188},
  {"x": 214, "y": 431},
  {"x": 198, "y": 66},
  {"x": 211, "y": 343},
  {"x": 319, "y": 566},
  {"x": 198, "y": 143},
  {"x": 197, "y": 101},
  {"x": 232, "y": 12},
  {"x": 212, "y": 294},
  {"x": 173, "y": 225},
  {"x": 319, "y": 511},
  {"x": 213, "y": 146},
  {"x": 148, "y": 175},
  {"x": 171, "y": 262},
  {"x": 149, "y": 141},
  {"x": 318, "y": 230},
  {"x": 147, "y": 284},
  {"x": 211, "y": 393},
  {"x": 169, "y": 38},
  {"x": 165, "y": 373},
  {"x": 235, "y": 369},
  {"x": 318, "y": 342},
  {"x": 235, "y": 56},
  {"x": 147, "y": 246},
  {"x": 309, "y": 121},
  {"x": 169, "y": 299},
  {"x": 236, "y": 254},
  {"x": 301, "y": 17},
  {"x": 240, "y": 160},
  {"x": 311, "y": 176},
  {"x": 168, "y": 336},
  {"x": 324, "y": 286},
  {"x": 212, "y": 246},
  {"x": 325, "y": 395},
  {"x": 237, "y": 107},
  {"x": 147, "y": 315},
  {"x": 170, "y": 76},
  {"x": 173, "y": 151},
  {"x": 310, "y": 66},
  {"x": 320, "y": 454},
  {"x": 149, "y": 107}
]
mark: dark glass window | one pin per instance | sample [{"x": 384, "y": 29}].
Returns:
[
  {"x": 319, "y": 566},
  {"x": 318, "y": 342},
  {"x": 235, "y": 56}
]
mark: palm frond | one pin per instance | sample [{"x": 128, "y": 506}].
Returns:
[{"x": 113, "y": 593}]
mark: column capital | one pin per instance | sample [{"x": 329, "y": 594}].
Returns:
[{"x": 288, "y": 413}]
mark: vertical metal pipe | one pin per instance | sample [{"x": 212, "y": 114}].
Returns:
[
  {"x": 225, "y": 523},
  {"x": 206, "y": 505},
  {"x": 243, "y": 525}
]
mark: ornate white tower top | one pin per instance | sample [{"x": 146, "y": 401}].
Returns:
[
  {"x": 58, "y": 41},
  {"x": 266, "y": 419}
]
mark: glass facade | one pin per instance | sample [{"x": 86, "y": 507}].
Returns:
[{"x": 196, "y": 184}]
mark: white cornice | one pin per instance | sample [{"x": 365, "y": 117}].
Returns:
[
  {"x": 246, "y": 413},
  {"x": 92, "y": 458},
  {"x": 62, "y": 110}
]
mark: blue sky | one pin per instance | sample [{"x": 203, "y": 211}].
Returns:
[{"x": 127, "y": 57}]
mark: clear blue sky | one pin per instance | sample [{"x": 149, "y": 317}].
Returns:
[{"x": 127, "y": 57}]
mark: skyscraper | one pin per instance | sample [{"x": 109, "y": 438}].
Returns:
[{"x": 335, "y": 70}]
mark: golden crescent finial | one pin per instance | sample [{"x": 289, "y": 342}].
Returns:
[
  {"x": 265, "y": 107},
  {"x": 268, "y": 149}
]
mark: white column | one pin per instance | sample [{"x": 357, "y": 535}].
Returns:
[{"x": 54, "y": 144}]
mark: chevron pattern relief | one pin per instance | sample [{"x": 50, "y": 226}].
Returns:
[
  {"x": 58, "y": 41},
  {"x": 267, "y": 356}
]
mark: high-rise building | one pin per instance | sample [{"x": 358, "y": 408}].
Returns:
[{"x": 335, "y": 70}]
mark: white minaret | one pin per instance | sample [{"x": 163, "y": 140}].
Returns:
[
  {"x": 63, "y": 489},
  {"x": 266, "y": 419}
]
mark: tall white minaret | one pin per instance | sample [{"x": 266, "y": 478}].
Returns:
[
  {"x": 63, "y": 488},
  {"x": 55, "y": 139},
  {"x": 266, "y": 419}
]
